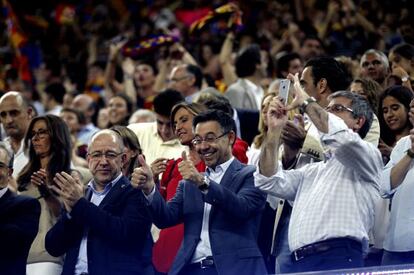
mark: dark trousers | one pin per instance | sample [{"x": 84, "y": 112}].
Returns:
[
  {"x": 338, "y": 257},
  {"x": 395, "y": 258}
]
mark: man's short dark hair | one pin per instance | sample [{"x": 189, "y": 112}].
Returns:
[
  {"x": 79, "y": 115},
  {"x": 360, "y": 108},
  {"x": 165, "y": 101},
  {"x": 283, "y": 63},
  {"x": 226, "y": 122},
  {"x": 331, "y": 70},
  {"x": 247, "y": 60},
  {"x": 56, "y": 91},
  {"x": 197, "y": 73}
]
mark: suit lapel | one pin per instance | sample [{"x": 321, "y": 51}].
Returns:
[
  {"x": 5, "y": 202},
  {"x": 114, "y": 193},
  {"x": 228, "y": 181}
]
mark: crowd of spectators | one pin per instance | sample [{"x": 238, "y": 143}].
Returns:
[{"x": 140, "y": 68}]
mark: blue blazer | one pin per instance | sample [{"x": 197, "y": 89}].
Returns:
[
  {"x": 117, "y": 232},
  {"x": 233, "y": 225},
  {"x": 19, "y": 222}
]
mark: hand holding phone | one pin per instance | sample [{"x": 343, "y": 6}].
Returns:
[{"x": 284, "y": 87}]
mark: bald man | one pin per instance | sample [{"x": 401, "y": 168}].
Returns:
[
  {"x": 15, "y": 115},
  {"x": 105, "y": 231}
]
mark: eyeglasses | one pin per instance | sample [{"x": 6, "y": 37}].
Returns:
[
  {"x": 338, "y": 108},
  {"x": 209, "y": 139},
  {"x": 42, "y": 133},
  {"x": 374, "y": 63},
  {"x": 177, "y": 79},
  {"x": 109, "y": 155}
]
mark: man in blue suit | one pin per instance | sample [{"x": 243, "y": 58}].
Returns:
[
  {"x": 104, "y": 232},
  {"x": 19, "y": 220},
  {"x": 220, "y": 209}
]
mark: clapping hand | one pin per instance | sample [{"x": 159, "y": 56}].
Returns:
[{"x": 69, "y": 188}]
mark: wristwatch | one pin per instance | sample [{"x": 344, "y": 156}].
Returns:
[
  {"x": 205, "y": 185},
  {"x": 405, "y": 78},
  {"x": 309, "y": 100},
  {"x": 410, "y": 153}
]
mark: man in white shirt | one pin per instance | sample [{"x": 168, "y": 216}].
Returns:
[
  {"x": 15, "y": 115},
  {"x": 333, "y": 200},
  {"x": 221, "y": 209}
]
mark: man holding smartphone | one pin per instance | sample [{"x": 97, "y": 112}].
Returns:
[{"x": 333, "y": 200}]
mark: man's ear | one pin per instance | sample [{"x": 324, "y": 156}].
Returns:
[
  {"x": 30, "y": 112},
  {"x": 322, "y": 85},
  {"x": 360, "y": 122},
  {"x": 10, "y": 173},
  {"x": 232, "y": 137}
]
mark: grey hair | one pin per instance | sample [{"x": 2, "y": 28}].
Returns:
[
  {"x": 9, "y": 153},
  {"x": 383, "y": 57},
  {"x": 118, "y": 138},
  {"x": 360, "y": 107}
]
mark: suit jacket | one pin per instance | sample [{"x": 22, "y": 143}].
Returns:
[
  {"x": 19, "y": 222},
  {"x": 117, "y": 232},
  {"x": 241, "y": 96},
  {"x": 233, "y": 224}
]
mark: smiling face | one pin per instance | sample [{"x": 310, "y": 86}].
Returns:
[
  {"x": 40, "y": 138},
  {"x": 218, "y": 150},
  {"x": 183, "y": 126},
  {"x": 395, "y": 114}
]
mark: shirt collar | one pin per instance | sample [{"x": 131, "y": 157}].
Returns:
[
  {"x": 222, "y": 168},
  {"x": 3, "y": 191},
  {"x": 107, "y": 188}
]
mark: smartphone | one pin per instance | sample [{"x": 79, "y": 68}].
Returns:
[{"x": 284, "y": 90}]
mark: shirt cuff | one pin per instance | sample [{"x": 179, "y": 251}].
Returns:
[{"x": 150, "y": 196}]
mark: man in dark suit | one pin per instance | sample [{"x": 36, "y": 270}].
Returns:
[
  {"x": 19, "y": 220},
  {"x": 220, "y": 209},
  {"x": 104, "y": 232}
]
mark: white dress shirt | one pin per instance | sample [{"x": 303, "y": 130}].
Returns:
[
  {"x": 400, "y": 234},
  {"x": 203, "y": 248},
  {"x": 334, "y": 198},
  {"x": 3, "y": 191}
]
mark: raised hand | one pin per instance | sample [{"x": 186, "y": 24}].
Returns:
[
  {"x": 39, "y": 178},
  {"x": 298, "y": 93},
  {"x": 276, "y": 114},
  {"x": 188, "y": 171},
  {"x": 69, "y": 188},
  {"x": 142, "y": 177},
  {"x": 294, "y": 133}
]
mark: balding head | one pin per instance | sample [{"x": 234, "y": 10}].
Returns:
[
  {"x": 105, "y": 157},
  {"x": 15, "y": 115},
  {"x": 85, "y": 105}
]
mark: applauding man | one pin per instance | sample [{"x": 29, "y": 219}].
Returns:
[
  {"x": 103, "y": 232},
  {"x": 220, "y": 209}
]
